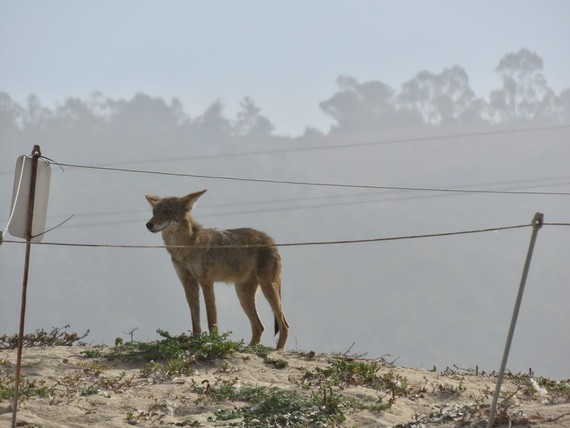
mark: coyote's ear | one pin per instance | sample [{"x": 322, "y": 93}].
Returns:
[
  {"x": 153, "y": 200},
  {"x": 190, "y": 200}
]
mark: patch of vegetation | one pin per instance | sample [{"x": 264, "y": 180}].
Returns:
[
  {"x": 117, "y": 383},
  {"x": 206, "y": 346},
  {"x": 345, "y": 372},
  {"x": 558, "y": 389},
  {"x": 259, "y": 350},
  {"x": 91, "y": 353},
  {"x": 278, "y": 363},
  {"x": 221, "y": 390},
  {"x": 56, "y": 337},
  {"x": 28, "y": 388},
  {"x": 353, "y": 372},
  {"x": 541, "y": 388},
  {"x": 173, "y": 356},
  {"x": 165, "y": 370},
  {"x": 446, "y": 388},
  {"x": 275, "y": 407}
]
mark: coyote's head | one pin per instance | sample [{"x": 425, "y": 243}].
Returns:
[{"x": 169, "y": 211}]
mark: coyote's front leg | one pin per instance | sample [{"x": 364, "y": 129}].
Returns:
[
  {"x": 192, "y": 291},
  {"x": 210, "y": 300}
]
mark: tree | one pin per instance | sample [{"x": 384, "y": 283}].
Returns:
[
  {"x": 564, "y": 106},
  {"x": 250, "y": 122},
  {"x": 442, "y": 99},
  {"x": 212, "y": 125},
  {"x": 76, "y": 114},
  {"x": 35, "y": 115},
  {"x": 10, "y": 115},
  {"x": 147, "y": 115},
  {"x": 525, "y": 95},
  {"x": 368, "y": 106}
]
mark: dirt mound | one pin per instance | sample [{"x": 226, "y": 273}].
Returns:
[{"x": 75, "y": 386}]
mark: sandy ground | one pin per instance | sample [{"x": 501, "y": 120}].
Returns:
[{"x": 74, "y": 391}]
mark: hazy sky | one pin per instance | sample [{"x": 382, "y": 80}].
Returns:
[{"x": 285, "y": 56}]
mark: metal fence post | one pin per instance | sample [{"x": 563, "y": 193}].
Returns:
[
  {"x": 35, "y": 155},
  {"x": 537, "y": 223}
]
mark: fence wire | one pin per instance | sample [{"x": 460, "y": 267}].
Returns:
[
  {"x": 312, "y": 183},
  {"x": 294, "y": 244}
]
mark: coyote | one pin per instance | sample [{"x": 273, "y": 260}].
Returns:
[{"x": 201, "y": 256}]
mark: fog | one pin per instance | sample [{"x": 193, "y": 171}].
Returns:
[{"x": 432, "y": 301}]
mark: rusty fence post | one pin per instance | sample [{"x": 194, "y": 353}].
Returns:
[{"x": 36, "y": 153}]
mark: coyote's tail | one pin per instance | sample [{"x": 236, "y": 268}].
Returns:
[
  {"x": 277, "y": 282},
  {"x": 278, "y": 286}
]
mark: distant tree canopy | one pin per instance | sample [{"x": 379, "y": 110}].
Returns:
[
  {"x": 447, "y": 99},
  {"x": 426, "y": 100}
]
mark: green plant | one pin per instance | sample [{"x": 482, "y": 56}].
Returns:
[
  {"x": 205, "y": 346},
  {"x": 6, "y": 388},
  {"x": 345, "y": 372},
  {"x": 4, "y": 362},
  {"x": 446, "y": 388},
  {"x": 55, "y": 337},
  {"x": 220, "y": 391},
  {"x": 214, "y": 345},
  {"x": 356, "y": 372},
  {"x": 28, "y": 388},
  {"x": 259, "y": 350},
  {"x": 278, "y": 363},
  {"x": 399, "y": 386},
  {"x": 161, "y": 371},
  {"x": 91, "y": 353},
  {"x": 274, "y": 407},
  {"x": 189, "y": 423},
  {"x": 541, "y": 388},
  {"x": 116, "y": 383},
  {"x": 173, "y": 356}
]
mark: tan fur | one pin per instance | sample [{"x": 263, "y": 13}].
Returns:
[{"x": 204, "y": 260}]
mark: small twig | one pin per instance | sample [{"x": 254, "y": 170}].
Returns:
[
  {"x": 131, "y": 332},
  {"x": 557, "y": 417},
  {"x": 55, "y": 227},
  {"x": 207, "y": 391},
  {"x": 349, "y": 349}
]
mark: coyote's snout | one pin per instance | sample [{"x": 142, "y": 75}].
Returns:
[{"x": 246, "y": 257}]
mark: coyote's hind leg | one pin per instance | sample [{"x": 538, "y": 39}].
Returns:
[
  {"x": 246, "y": 294},
  {"x": 272, "y": 292}
]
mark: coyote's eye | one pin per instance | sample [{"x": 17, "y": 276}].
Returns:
[{"x": 169, "y": 212}]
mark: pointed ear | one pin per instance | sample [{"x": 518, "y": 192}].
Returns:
[
  {"x": 190, "y": 200},
  {"x": 153, "y": 200}
]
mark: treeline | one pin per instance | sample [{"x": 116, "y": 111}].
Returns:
[
  {"x": 429, "y": 99},
  {"x": 447, "y": 99}
]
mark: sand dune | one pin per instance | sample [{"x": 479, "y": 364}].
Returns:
[{"x": 72, "y": 386}]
